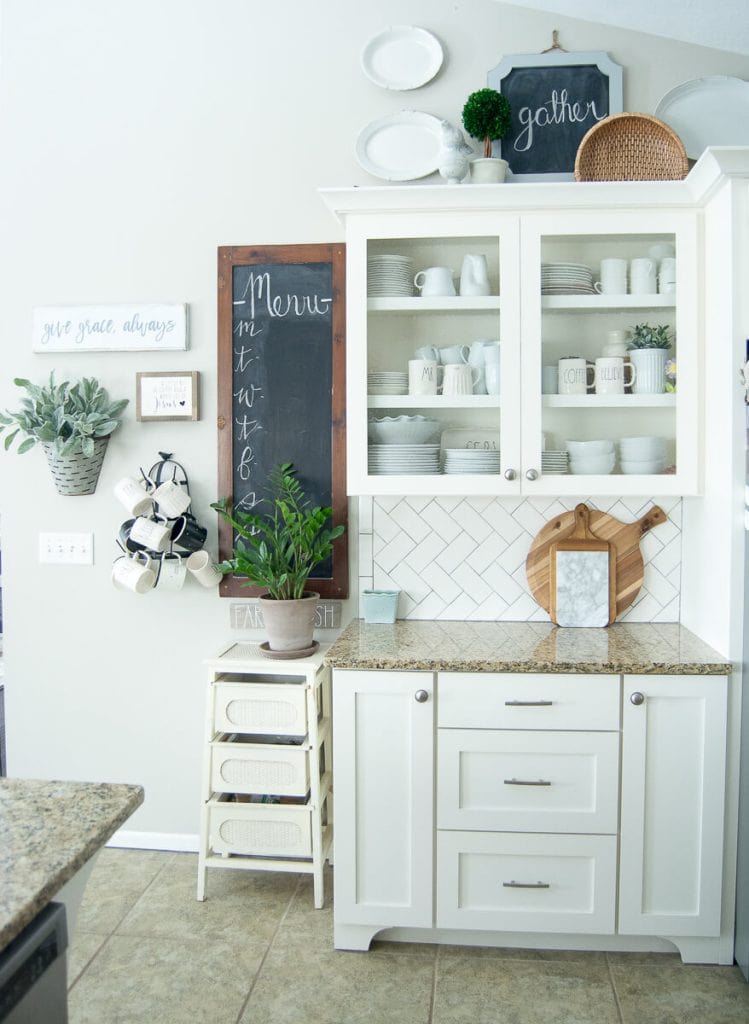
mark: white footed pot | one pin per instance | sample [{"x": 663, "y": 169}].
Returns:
[
  {"x": 290, "y": 625},
  {"x": 650, "y": 370},
  {"x": 488, "y": 170}
]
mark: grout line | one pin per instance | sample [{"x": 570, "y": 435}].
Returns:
[
  {"x": 84, "y": 969},
  {"x": 613, "y": 989},
  {"x": 433, "y": 995},
  {"x": 272, "y": 939}
]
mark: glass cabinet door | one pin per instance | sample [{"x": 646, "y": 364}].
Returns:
[
  {"x": 604, "y": 411},
  {"x": 433, "y": 354}
]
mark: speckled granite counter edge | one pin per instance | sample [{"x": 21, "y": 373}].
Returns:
[
  {"x": 406, "y": 664},
  {"x": 41, "y": 894}
]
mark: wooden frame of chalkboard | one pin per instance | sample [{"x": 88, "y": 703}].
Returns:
[
  {"x": 555, "y": 98},
  {"x": 281, "y": 386}
]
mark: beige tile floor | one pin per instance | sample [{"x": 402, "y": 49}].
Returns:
[{"x": 257, "y": 952}]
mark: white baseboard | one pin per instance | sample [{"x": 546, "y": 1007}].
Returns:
[{"x": 175, "y": 841}]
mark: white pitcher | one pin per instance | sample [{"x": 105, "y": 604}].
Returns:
[{"x": 474, "y": 275}]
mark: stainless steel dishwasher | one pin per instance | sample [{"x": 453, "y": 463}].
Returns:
[{"x": 33, "y": 971}]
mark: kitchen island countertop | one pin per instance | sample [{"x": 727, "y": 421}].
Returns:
[
  {"x": 48, "y": 831},
  {"x": 442, "y": 646}
]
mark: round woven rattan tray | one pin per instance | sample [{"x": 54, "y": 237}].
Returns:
[{"x": 630, "y": 147}]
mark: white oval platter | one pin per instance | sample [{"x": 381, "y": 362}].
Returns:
[
  {"x": 400, "y": 147},
  {"x": 711, "y": 111},
  {"x": 402, "y": 57}
]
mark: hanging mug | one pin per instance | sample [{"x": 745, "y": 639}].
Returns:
[{"x": 134, "y": 573}]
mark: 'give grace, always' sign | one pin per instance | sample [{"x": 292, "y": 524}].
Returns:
[{"x": 126, "y": 328}]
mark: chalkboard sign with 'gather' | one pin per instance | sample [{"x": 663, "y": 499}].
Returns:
[
  {"x": 555, "y": 99},
  {"x": 281, "y": 366}
]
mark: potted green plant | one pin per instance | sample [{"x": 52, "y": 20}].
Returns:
[
  {"x": 72, "y": 421},
  {"x": 278, "y": 549},
  {"x": 648, "y": 352},
  {"x": 486, "y": 117}
]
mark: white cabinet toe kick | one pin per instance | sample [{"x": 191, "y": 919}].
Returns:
[{"x": 531, "y": 810}]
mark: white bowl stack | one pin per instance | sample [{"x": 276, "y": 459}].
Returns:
[
  {"x": 402, "y": 430},
  {"x": 591, "y": 457},
  {"x": 642, "y": 455}
]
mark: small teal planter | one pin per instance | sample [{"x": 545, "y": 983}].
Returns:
[{"x": 380, "y": 605}]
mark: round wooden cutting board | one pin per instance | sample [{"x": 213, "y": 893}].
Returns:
[{"x": 624, "y": 537}]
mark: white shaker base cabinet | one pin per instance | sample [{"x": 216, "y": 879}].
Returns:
[{"x": 490, "y": 809}]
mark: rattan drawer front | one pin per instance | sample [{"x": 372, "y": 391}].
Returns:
[
  {"x": 280, "y": 770},
  {"x": 523, "y": 781},
  {"x": 535, "y": 883},
  {"x": 261, "y": 710},
  {"x": 527, "y": 700},
  {"x": 260, "y": 830}
]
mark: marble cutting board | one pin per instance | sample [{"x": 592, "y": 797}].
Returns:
[{"x": 582, "y": 571}]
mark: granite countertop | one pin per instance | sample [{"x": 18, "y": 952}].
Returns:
[
  {"x": 48, "y": 830},
  {"x": 666, "y": 648}
]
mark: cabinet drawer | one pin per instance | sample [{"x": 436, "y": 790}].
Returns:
[
  {"x": 277, "y": 769},
  {"x": 259, "y": 829},
  {"x": 527, "y": 700},
  {"x": 260, "y": 709},
  {"x": 528, "y": 781},
  {"x": 551, "y": 883}
]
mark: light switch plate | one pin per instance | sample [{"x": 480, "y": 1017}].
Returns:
[{"x": 66, "y": 548}]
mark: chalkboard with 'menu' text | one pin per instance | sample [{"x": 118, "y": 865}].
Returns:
[
  {"x": 555, "y": 98},
  {"x": 281, "y": 366}
]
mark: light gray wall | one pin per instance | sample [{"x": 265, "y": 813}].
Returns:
[{"x": 136, "y": 138}]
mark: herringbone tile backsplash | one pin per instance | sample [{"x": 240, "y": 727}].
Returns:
[{"x": 464, "y": 558}]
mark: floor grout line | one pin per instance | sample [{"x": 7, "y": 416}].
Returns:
[
  {"x": 433, "y": 995},
  {"x": 613, "y": 989},
  {"x": 272, "y": 939}
]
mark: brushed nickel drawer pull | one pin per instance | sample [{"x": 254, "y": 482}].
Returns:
[
  {"x": 527, "y": 782},
  {"x": 526, "y": 885},
  {"x": 528, "y": 703}
]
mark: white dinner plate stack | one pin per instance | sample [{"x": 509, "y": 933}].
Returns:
[
  {"x": 387, "y": 382},
  {"x": 390, "y": 275},
  {"x": 404, "y": 458},
  {"x": 471, "y": 460},
  {"x": 554, "y": 462},
  {"x": 566, "y": 279}
]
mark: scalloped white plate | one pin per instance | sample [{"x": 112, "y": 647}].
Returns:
[
  {"x": 402, "y": 57},
  {"x": 400, "y": 147}
]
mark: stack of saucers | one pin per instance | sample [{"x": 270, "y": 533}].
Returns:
[
  {"x": 566, "y": 279},
  {"x": 390, "y": 275},
  {"x": 554, "y": 462},
  {"x": 596, "y": 457},
  {"x": 403, "y": 458},
  {"x": 642, "y": 454},
  {"x": 471, "y": 460},
  {"x": 387, "y": 382}
]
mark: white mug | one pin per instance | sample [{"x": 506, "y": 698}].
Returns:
[
  {"x": 642, "y": 276},
  {"x": 661, "y": 251},
  {"x": 428, "y": 352},
  {"x": 491, "y": 373},
  {"x": 422, "y": 377},
  {"x": 200, "y": 565},
  {"x": 549, "y": 380},
  {"x": 492, "y": 352},
  {"x": 613, "y": 277},
  {"x": 134, "y": 573},
  {"x": 172, "y": 499},
  {"x": 153, "y": 534},
  {"x": 133, "y": 496},
  {"x": 435, "y": 281},
  {"x": 610, "y": 375},
  {"x": 454, "y": 354},
  {"x": 574, "y": 372},
  {"x": 459, "y": 379},
  {"x": 172, "y": 572},
  {"x": 667, "y": 276}
]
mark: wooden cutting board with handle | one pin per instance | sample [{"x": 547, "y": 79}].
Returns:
[
  {"x": 624, "y": 537},
  {"x": 582, "y": 576}
]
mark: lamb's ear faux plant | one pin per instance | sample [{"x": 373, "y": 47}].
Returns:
[
  {"x": 278, "y": 550},
  {"x": 71, "y": 416}
]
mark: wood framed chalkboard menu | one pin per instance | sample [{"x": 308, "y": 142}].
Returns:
[
  {"x": 281, "y": 386},
  {"x": 554, "y": 98}
]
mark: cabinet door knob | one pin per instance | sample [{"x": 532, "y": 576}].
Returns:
[
  {"x": 510, "y": 474},
  {"x": 532, "y": 474},
  {"x": 421, "y": 696},
  {"x": 637, "y": 698}
]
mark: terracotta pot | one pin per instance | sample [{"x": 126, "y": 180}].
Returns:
[{"x": 290, "y": 625}]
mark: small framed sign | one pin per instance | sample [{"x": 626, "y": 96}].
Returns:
[
  {"x": 555, "y": 98},
  {"x": 169, "y": 395}
]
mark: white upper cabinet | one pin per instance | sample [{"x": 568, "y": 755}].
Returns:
[{"x": 536, "y": 321}]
